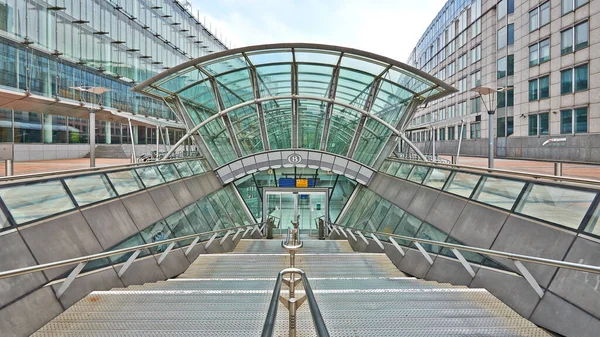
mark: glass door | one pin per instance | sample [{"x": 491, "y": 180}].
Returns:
[{"x": 303, "y": 205}]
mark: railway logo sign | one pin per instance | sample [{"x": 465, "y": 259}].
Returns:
[{"x": 294, "y": 158}]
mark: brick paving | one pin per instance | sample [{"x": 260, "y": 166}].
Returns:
[
  {"x": 38, "y": 166},
  {"x": 540, "y": 167}
]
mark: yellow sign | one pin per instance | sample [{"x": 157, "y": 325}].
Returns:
[{"x": 301, "y": 182}]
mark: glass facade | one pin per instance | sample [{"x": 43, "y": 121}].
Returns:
[{"x": 58, "y": 48}]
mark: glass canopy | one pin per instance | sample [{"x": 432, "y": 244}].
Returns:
[{"x": 295, "y": 96}]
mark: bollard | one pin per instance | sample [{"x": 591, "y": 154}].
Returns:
[
  {"x": 558, "y": 169},
  {"x": 9, "y": 167}
]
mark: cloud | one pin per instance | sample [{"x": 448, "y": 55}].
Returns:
[{"x": 389, "y": 28}]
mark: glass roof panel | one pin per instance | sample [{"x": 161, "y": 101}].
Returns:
[
  {"x": 372, "y": 140},
  {"x": 316, "y": 56},
  {"x": 278, "y": 119},
  {"x": 311, "y": 117},
  {"x": 342, "y": 128},
  {"x": 367, "y": 65},
  {"x": 247, "y": 129},
  {"x": 201, "y": 94},
  {"x": 314, "y": 80},
  {"x": 270, "y": 56},
  {"x": 408, "y": 80},
  {"x": 217, "y": 139},
  {"x": 274, "y": 80},
  {"x": 353, "y": 87},
  {"x": 225, "y": 64},
  {"x": 235, "y": 87},
  {"x": 175, "y": 84},
  {"x": 391, "y": 102}
]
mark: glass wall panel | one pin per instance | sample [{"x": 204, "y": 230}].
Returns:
[
  {"x": 404, "y": 171},
  {"x": 390, "y": 221},
  {"x": 563, "y": 206},
  {"x": 217, "y": 139},
  {"x": 180, "y": 226},
  {"x": 462, "y": 184},
  {"x": 247, "y": 130},
  {"x": 498, "y": 192},
  {"x": 150, "y": 176},
  {"x": 196, "y": 166},
  {"x": 28, "y": 127},
  {"x": 418, "y": 174},
  {"x": 125, "y": 181},
  {"x": 311, "y": 119},
  {"x": 429, "y": 232},
  {"x": 169, "y": 172},
  {"x": 249, "y": 192},
  {"x": 197, "y": 221},
  {"x": 184, "y": 169},
  {"x": 78, "y": 131},
  {"x": 157, "y": 232},
  {"x": 5, "y": 118},
  {"x": 593, "y": 226},
  {"x": 469, "y": 256},
  {"x": 278, "y": 119},
  {"x": 382, "y": 207},
  {"x": 339, "y": 195},
  {"x": 437, "y": 178},
  {"x": 135, "y": 240},
  {"x": 89, "y": 189},
  {"x": 35, "y": 201},
  {"x": 409, "y": 226},
  {"x": 55, "y": 129}
]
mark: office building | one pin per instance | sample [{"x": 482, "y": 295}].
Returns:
[
  {"x": 539, "y": 58},
  {"x": 62, "y": 59}
]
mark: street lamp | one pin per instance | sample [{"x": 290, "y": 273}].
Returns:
[
  {"x": 490, "y": 93},
  {"x": 92, "y": 132}
]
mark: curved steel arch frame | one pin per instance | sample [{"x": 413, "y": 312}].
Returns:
[{"x": 228, "y": 85}]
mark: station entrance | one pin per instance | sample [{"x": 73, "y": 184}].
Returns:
[{"x": 287, "y": 205}]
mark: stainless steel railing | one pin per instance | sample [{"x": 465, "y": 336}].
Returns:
[
  {"x": 517, "y": 259},
  {"x": 292, "y": 244},
  {"x": 83, "y": 260}
]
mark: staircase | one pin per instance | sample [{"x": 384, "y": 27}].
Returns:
[
  {"x": 109, "y": 151},
  {"x": 359, "y": 294}
]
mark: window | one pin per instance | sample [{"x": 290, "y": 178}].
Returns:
[
  {"x": 442, "y": 74},
  {"x": 579, "y": 33},
  {"x": 462, "y": 84},
  {"x": 462, "y": 108},
  {"x": 575, "y": 79},
  {"x": 505, "y": 7},
  {"x": 475, "y": 130},
  {"x": 577, "y": 117},
  {"x": 450, "y": 69},
  {"x": 442, "y": 114},
  {"x": 505, "y": 98},
  {"x": 451, "y": 112},
  {"x": 539, "y": 17},
  {"x": 476, "y": 54},
  {"x": 506, "y": 66},
  {"x": 442, "y": 134},
  {"x": 462, "y": 61},
  {"x": 505, "y": 126},
  {"x": 463, "y": 131},
  {"x": 475, "y": 105},
  {"x": 476, "y": 79},
  {"x": 451, "y": 133},
  {"x": 569, "y": 5},
  {"x": 539, "y": 88},
  {"x": 539, "y": 52},
  {"x": 538, "y": 124},
  {"x": 476, "y": 29}
]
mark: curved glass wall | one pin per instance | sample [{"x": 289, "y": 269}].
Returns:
[{"x": 295, "y": 96}]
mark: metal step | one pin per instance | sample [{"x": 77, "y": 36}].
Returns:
[{"x": 228, "y": 295}]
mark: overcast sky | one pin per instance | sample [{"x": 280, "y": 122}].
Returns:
[{"x": 387, "y": 27}]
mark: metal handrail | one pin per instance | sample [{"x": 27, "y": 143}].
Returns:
[
  {"x": 87, "y": 258},
  {"x": 496, "y": 253},
  {"x": 92, "y": 169},
  {"x": 269, "y": 326},
  {"x": 467, "y": 168}
]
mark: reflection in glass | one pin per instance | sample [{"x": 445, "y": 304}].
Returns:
[
  {"x": 169, "y": 172},
  {"x": 404, "y": 171},
  {"x": 382, "y": 207},
  {"x": 125, "y": 181},
  {"x": 409, "y": 226},
  {"x": 184, "y": 169},
  {"x": 391, "y": 220},
  {"x": 247, "y": 189},
  {"x": 469, "y": 256},
  {"x": 197, "y": 220},
  {"x": 437, "y": 178},
  {"x": 429, "y": 232},
  {"x": 90, "y": 189},
  {"x": 135, "y": 240},
  {"x": 150, "y": 176},
  {"x": 156, "y": 233},
  {"x": 499, "y": 192},
  {"x": 593, "y": 226},
  {"x": 418, "y": 174},
  {"x": 563, "y": 206},
  {"x": 180, "y": 226},
  {"x": 197, "y": 166},
  {"x": 462, "y": 184},
  {"x": 35, "y": 201}
]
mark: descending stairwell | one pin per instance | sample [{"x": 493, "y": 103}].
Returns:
[{"x": 359, "y": 294}]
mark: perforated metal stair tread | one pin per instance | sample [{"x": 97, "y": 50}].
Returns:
[{"x": 229, "y": 294}]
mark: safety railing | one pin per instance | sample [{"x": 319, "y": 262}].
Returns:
[
  {"x": 291, "y": 245},
  {"x": 517, "y": 259},
  {"x": 83, "y": 260}
]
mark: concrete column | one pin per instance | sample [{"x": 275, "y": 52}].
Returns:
[
  {"x": 47, "y": 133},
  {"x": 107, "y": 133},
  {"x": 93, "y": 138}
]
